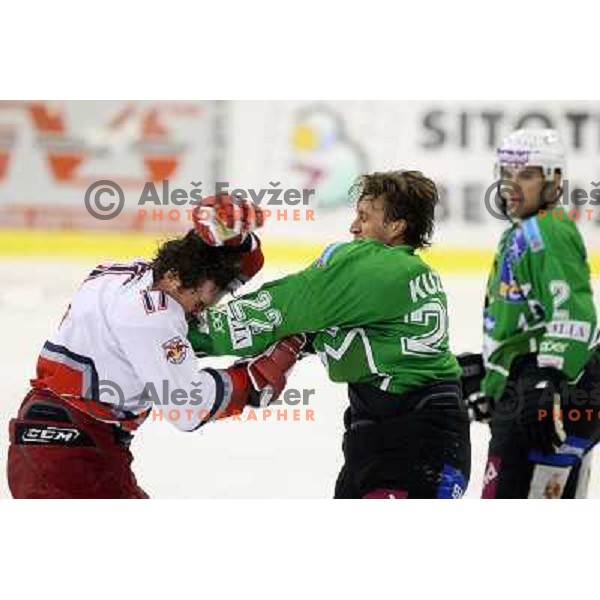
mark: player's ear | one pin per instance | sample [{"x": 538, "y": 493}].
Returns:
[
  {"x": 552, "y": 188},
  {"x": 557, "y": 178},
  {"x": 171, "y": 281},
  {"x": 396, "y": 229}
]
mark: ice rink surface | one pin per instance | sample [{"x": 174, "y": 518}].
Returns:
[{"x": 268, "y": 458}]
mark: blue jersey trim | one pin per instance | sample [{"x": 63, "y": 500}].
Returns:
[
  {"x": 326, "y": 255},
  {"x": 533, "y": 235}
]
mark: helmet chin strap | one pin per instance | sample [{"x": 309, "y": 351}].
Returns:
[{"x": 503, "y": 207}]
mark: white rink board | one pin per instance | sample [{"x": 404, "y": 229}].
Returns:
[{"x": 227, "y": 460}]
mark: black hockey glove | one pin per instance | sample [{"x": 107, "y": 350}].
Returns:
[
  {"x": 539, "y": 409},
  {"x": 480, "y": 407},
  {"x": 472, "y": 374}
]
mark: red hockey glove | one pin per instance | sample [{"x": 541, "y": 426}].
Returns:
[
  {"x": 225, "y": 221},
  {"x": 269, "y": 371},
  {"x": 259, "y": 381},
  {"x": 252, "y": 261}
]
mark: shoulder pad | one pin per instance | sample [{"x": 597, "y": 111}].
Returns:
[{"x": 326, "y": 254}]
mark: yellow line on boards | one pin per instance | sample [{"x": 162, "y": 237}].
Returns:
[{"x": 124, "y": 246}]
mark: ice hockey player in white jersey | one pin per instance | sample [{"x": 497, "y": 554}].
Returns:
[{"x": 121, "y": 352}]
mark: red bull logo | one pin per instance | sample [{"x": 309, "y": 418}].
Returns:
[{"x": 175, "y": 350}]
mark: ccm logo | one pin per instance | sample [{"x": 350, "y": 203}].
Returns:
[{"x": 48, "y": 434}]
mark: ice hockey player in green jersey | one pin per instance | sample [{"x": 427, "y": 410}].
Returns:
[
  {"x": 542, "y": 367},
  {"x": 378, "y": 320}
]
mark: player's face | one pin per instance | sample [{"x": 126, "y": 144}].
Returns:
[
  {"x": 369, "y": 222},
  {"x": 193, "y": 300},
  {"x": 202, "y": 296},
  {"x": 527, "y": 193}
]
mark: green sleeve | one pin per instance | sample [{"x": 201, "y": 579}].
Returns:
[
  {"x": 557, "y": 269},
  {"x": 336, "y": 290}
]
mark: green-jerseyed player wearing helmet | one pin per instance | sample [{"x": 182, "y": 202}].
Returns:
[
  {"x": 378, "y": 318},
  {"x": 540, "y": 332}
]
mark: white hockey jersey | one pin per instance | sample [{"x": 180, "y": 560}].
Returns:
[{"x": 124, "y": 345}]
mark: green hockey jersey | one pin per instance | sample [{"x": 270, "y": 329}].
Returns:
[
  {"x": 379, "y": 314},
  {"x": 539, "y": 300}
]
